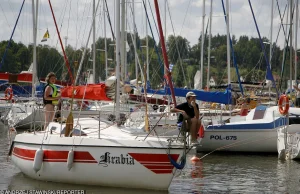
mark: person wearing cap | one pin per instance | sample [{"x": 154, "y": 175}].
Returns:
[{"x": 189, "y": 111}]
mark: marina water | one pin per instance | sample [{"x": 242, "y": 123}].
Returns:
[{"x": 215, "y": 173}]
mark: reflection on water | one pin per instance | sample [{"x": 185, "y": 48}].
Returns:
[
  {"x": 19, "y": 181},
  {"x": 216, "y": 173}
]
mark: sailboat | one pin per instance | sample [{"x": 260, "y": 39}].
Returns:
[
  {"x": 115, "y": 156},
  {"x": 258, "y": 131}
]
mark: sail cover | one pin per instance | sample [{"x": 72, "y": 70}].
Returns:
[{"x": 87, "y": 92}]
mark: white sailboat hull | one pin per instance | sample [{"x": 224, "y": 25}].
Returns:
[
  {"x": 288, "y": 144},
  {"x": 258, "y": 133},
  {"x": 97, "y": 161}
]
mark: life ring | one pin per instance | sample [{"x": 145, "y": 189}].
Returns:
[
  {"x": 8, "y": 94},
  {"x": 283, "y": 109}
]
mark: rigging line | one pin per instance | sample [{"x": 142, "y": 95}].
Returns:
[
  {"x": 281, "y": 20},
  {"x": 247, "y": 46},
  {"x": 65, "y": 56},
  {"x": 269, "y": 75},
  {"x": 153, "y": 18},
  {"x": 155, "y": 46},
  {"x": 180, "y": 60},
  {"x": 4, "y": 15},
  {"x": 184, "y": 15},
  {"x": 4, "y": 55},
  {"x": 138, "y": 59},
  {"x": 68, "y": 25},
  {"x": 287, "y": 47},
  {"x": 83, "y": 22},
  {"x": 232, "y": 52},
  {"x": 108, "y": 17},
  {"x": 280, "y": 26}
]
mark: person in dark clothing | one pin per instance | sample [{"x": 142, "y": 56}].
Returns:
[{"x": 190, "y": 111}]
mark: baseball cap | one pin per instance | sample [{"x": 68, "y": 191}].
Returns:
[{"x": 190, "y": 94}]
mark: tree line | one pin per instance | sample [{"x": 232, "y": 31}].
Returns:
[{"x": 184, "y": 57}]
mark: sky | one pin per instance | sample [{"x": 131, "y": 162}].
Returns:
[{"x": 183, "y": 17}]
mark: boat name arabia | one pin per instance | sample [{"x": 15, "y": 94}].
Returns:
[{"x": 108, "y": 159}]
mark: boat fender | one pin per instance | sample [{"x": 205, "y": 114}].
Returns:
[
  {"x": 38, "y": 160},
  {"x": 201, "y": 131},
  {"x": 70, "y": 160},
  {"x": 195, "y": 159},
  {"x": 283, "y": 109},
  {"x": 244, "y": 110}
]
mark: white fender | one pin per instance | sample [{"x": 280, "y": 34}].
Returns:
[
  {"x": 70, "y": 160},
  {"x": 38, "y": 160}
]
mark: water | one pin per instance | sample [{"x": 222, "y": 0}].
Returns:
[{"x": 216, "y": 173}]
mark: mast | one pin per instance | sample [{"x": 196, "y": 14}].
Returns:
[
  {"x": 34, "y": 23},
  {"x": 147, "y": 44},
  {"x": 291, "y": 43},
  {"x": 125, "y": 42},
  {"x": 122, "y": 43},
  {"x": 164, "y": 51},
  {"x": 118, "y": 58},
  {"x": 202, "y": 45},
  {"x": 62, "y": 46},
  {"x": 228, "y": 44},
  {"x": 105, "y": 41},
  {"x": 209, "y": 45},
  {"x": 134, "y": 43},
  {"x": 94, "y": 45},
  {"x": 296, "y": 33},
  {"x": 271, "y": 34},
  {"x": 165, "y": 27}
]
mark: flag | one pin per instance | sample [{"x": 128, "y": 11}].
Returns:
[{"x": 46, "y": 36}]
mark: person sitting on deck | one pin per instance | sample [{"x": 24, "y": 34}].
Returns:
[{"x": 189, "y": 111}]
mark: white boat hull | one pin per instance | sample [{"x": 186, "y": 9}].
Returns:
[
  {"x": 97, "y": 161},
  {"x": 288, "y": 144},
  {"x": 257, "y": 133},
  {"x": 241, "y": 141}
]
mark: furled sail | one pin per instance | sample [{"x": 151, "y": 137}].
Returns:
[{"x": 87, "y": 92}]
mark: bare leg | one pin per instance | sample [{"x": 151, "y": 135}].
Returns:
[
  {"x": 194, "y": 129},
  {"x": 198, "y": 127},
  {"x": 49, "y": 114}
]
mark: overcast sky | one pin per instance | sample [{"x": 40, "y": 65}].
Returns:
[{"x": 74, "y": 19}]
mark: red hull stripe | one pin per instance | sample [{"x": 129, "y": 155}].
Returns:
[
  {"x": 157, "y": 163},
  {"x": 54, "y": 156}
]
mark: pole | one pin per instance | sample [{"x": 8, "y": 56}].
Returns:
[
  {"x": 271, "y": 34},
  {"x": 134, "y": 39},
  {"x": 105, "y": 41},
  {"x": 296, "y": 46},
  {"x": 164, "y": 51},
  {"x": 122, "y": 43},
  {"x": 62, "y": 46},
  {"x": 202, "y": 45},
  {"x": 34, "y": 49},
  {"x": 94, "y": 45},
  {"x": 291, "y": 44},
  {"x": 147, "y": 44},
  {"x": 118, "y": 59},
  {"x": 228, "y": 44},
  {"x": 209, "y": 45}
]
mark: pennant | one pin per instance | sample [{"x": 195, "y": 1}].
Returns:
[{"x": 46, "y": 36}]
